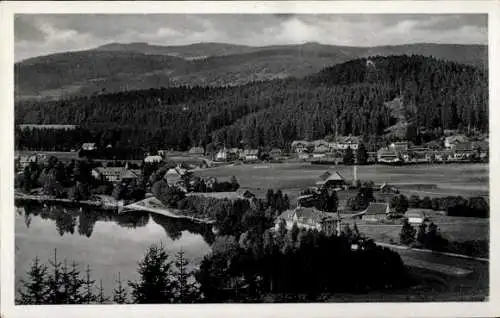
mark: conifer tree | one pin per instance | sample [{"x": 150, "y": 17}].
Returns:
[
  {"x": 155, "y": 283},
  {"x": 55, "y": 281},
  {"x": 101, "y": 299},
  {"x": 185, "y": 291},
  {"x": 120, "y": 293},
  {"x": 88, "y": 295},
  {"x": 34, "y": 290}
]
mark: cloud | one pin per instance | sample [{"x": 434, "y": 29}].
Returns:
[{"x": 44, "y": 34}]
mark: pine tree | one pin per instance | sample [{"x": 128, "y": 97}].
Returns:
[
  {"x": 101, "y": 299},
  {"x": 186, "y": 292},
  {"x": 407, "y": 234},
  {"x": 34, "y": 290},
  {"x": 88, "y": 295},
  {"x": 155, "y": 284},
  {"x": 120, "y": 293},
  {"x": 55, "y": 281}
]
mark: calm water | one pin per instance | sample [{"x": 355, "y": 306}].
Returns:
[{"x": 103, "y": 240}]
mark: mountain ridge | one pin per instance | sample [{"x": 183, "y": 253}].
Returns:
[{"x": 117, "y": 67}]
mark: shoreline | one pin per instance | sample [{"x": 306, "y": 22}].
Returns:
[
  {"x": 48, "y": 199},
  {"x": 168, "y": 212},
  {"x": 119, "y": 208}
]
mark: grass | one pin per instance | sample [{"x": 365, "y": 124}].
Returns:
[
  {"x": 449, "y": 180},
  {"x": 460, "y": 229},
  {"x": 461, "y": 179}
]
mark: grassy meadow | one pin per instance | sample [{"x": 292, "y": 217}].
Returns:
[{"x": 424, "y": 180}]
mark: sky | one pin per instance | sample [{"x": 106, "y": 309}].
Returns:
[{"x": 42, "y": 34}]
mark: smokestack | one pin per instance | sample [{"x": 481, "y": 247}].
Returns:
[{"x": 355, "y": 173}]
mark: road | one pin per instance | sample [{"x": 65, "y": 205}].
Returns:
[{"x": 450, "y": 277}]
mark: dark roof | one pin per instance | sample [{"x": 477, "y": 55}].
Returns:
[{"x": 376, "y": 208}]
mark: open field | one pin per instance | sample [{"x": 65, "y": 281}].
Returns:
[
  {"x": 460, "y": 179},
  {"x": 459, "y": 230}
]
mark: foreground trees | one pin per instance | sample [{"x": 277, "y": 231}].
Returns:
[
  {"x": 161, "y": 281},
  {"x": 295, "y": 262}
]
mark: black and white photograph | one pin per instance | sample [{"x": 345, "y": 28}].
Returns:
[{"x": 249, "y": 158}]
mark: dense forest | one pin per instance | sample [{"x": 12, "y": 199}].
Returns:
[{"x": 348, "y": 98}]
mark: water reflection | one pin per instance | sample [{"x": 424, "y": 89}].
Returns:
[{"x": 84, "y": 220}]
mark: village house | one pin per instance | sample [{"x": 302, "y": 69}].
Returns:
[
  {"x": 174, "y": 176},
  {"x": 376, "y": 212},
  {"x": 222, "y": 155},
  {"x": 462, "y": 151},
  {"x": 89, "y": 146},
  {"x": 321, "y": 146},
  {"x": 251, "y": 154},
  {"x": 304, "y": 155},
  {"x": 153, "y": 158},
  {"x": 415, "y": 216},
  {"x": 310, "y": 218},
  {"x": 24, "y": 161},
  {"x": 197, "y": 151},
  {"x": 345, "y": 142},
  {"x": 417, "y": 155},
  {"x": 115, "y": 174},
  {"x": 399, "y": 146},
  {"x": 451, "y": 141},
  {"x": 299, "y": 146},
  {"x": 235, "y": 153},
  {"x": 385, "y": 155},
  {"x": 331, "y": 180}
]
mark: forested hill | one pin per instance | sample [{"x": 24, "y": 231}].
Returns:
[
  {"x": 348, "y": 98},
  {"x": 120, "y": 67}
]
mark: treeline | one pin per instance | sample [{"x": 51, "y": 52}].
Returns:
[
  {"x": 162, "y": 280},
  {"x": 346, "y": 98},
  {"x": 452, "y": 205}
]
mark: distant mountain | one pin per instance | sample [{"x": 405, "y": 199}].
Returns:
[{"x": 119, "y": 67}]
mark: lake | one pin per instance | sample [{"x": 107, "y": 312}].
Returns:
[{"x": 109, "y": 243}]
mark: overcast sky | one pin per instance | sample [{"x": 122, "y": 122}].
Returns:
[{"x": 45, "y": 34}]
